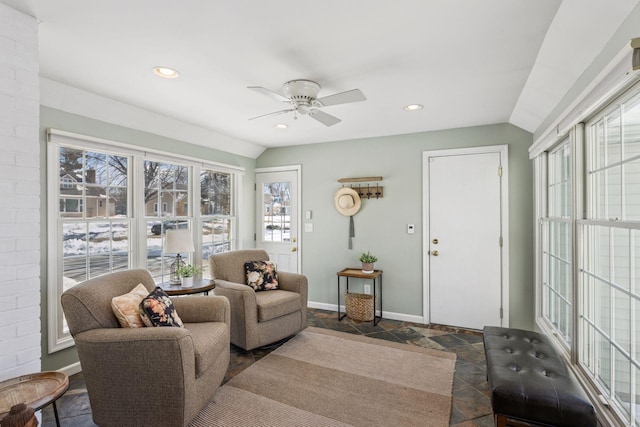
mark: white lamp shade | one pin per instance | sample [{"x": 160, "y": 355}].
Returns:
[{"x": 177, "y": 242}]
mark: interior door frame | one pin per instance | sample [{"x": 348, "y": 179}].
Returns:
[
  {"x": 503, "y": 150},
  {"x": 298, "y": 170}
]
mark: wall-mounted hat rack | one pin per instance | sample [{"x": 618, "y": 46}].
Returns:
[{"x": 366, "y": 191}]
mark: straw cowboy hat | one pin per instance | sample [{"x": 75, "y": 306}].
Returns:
[{"x": 347, "y": 201}]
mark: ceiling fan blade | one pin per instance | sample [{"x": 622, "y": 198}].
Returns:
[
  {"x": 273, "y": 114},
  {"x": 269, "y": 93},
  {"x": 324, "y": 118},
  {"x": 354, "y": 95}
]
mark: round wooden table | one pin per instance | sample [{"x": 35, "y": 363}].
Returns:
[
  {"x": 34, "y": 390},
  {"x": 199, "y": 285}
]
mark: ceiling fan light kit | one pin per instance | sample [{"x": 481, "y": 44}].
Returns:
[{"x": 302, "y": 95}]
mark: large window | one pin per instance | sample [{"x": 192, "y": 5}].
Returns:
[
  {"x": 610, "y": 264},
  {"x": 167, "y": 185},
  {"x": 110, "y": 206},
  {"x": 557, "y": 282},
  {"x": 594, "y": 291},
  {"x": 93, "y": 221},
  {"x": 216, "y": 214}
]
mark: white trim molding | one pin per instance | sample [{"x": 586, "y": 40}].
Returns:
[{"x": 614, "y": 79}]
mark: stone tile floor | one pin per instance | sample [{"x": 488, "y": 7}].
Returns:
[{"x": 471, "y": 406}]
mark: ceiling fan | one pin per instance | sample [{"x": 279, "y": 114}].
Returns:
[{"x": 302, "y": 95}]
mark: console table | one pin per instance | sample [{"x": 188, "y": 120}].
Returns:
[{"x": 376, "y": 276}]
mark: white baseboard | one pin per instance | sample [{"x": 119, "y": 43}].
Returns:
[
  {"x": 72, "y": 369},
  {"x": 386, "y": 314}
]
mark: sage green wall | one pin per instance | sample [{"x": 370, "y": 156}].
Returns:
[
  {"x": 52, "y": 118},
  {"x": 381, "y": 224}
]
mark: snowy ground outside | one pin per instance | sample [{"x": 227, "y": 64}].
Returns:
[{"x": 106, "y": 245}]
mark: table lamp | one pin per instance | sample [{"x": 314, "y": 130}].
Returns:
[{"x": 177, "y": 242}]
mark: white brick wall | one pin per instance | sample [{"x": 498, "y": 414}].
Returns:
[{"x": 19, "y": 195}]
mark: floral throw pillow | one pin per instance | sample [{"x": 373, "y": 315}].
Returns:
[
  {"x": 261, "y": 275},
  {"x": 156, "y": 309}
]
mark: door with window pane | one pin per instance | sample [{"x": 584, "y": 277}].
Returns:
[{"x": 277, "y": 217}]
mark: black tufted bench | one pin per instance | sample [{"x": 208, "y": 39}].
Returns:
[{"x": 530, "y": 383}]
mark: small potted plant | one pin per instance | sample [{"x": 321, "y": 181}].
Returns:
[
  {"x": 367, "y": 260},
  {"x": 186, "y": 273}
]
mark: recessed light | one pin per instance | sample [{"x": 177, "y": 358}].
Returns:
[
  {"x": 413, "y": 107},
  {"x": 166, "y": 72},
  {"x": 280, "y": 126}
]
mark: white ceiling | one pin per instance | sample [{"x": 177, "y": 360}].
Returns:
[{"x": 469, "y": 62}]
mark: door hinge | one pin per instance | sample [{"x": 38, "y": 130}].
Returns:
[
  {"x": 501, "y": 313},
  {"x": 500, "y": 171},
  {"x": 255, "y": 187},
  {"x": 255, "y": 237},
  {"x": 500, "y": 241}
]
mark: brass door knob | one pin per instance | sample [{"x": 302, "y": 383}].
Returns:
[{"x": 435, "y": 253}]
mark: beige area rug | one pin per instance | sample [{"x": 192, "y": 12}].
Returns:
[{"x": 327, "y": 378}]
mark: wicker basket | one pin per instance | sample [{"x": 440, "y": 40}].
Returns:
[{"x": 359, "y": 306}]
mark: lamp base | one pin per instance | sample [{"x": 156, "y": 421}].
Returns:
[{"x": 174, "y": 278}]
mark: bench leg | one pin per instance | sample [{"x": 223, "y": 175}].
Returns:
[{"x": 504, "y": 421}]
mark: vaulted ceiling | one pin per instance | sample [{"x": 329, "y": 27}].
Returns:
[{"x": 468, "y": 62}]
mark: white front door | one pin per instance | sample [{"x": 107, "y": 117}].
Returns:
[
  {"x": 277, "y": 216},
  {"x": 464, "y": 236}
]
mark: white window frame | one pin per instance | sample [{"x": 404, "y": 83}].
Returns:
[
  {"x": 621, "y": 224},
  {"x": 615, "y": 80},
  {"x": 236, "y": 181},
  {"x": 545, "y": 219},
  {"x": 57, "y": 340}
]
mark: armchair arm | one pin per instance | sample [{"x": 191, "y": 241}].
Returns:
[
  {"x": 293, "y": 282},
  {"x": 198, "y": 309},
  {"x": 223, "y": 285},
  {"x": 244, "y": 308}
]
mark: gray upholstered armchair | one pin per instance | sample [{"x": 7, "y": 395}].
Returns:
[
  {"x": 153, "y": 375},
  {"x": 259, "y": 318}
]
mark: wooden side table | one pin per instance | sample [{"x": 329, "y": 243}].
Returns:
[
  {"x": 34, "y": 390},
  {"x": 199, "y": 285},
  {"x": 357, "y": 273}
]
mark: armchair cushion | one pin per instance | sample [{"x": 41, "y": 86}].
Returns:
[
  {"x": 127, "y": 307},
  {"x": 261, "y": 275},
  {"x": 276, "y": 303},
  {"x": 156, "y": 309},
  {"x": 209, "y": 339}
]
